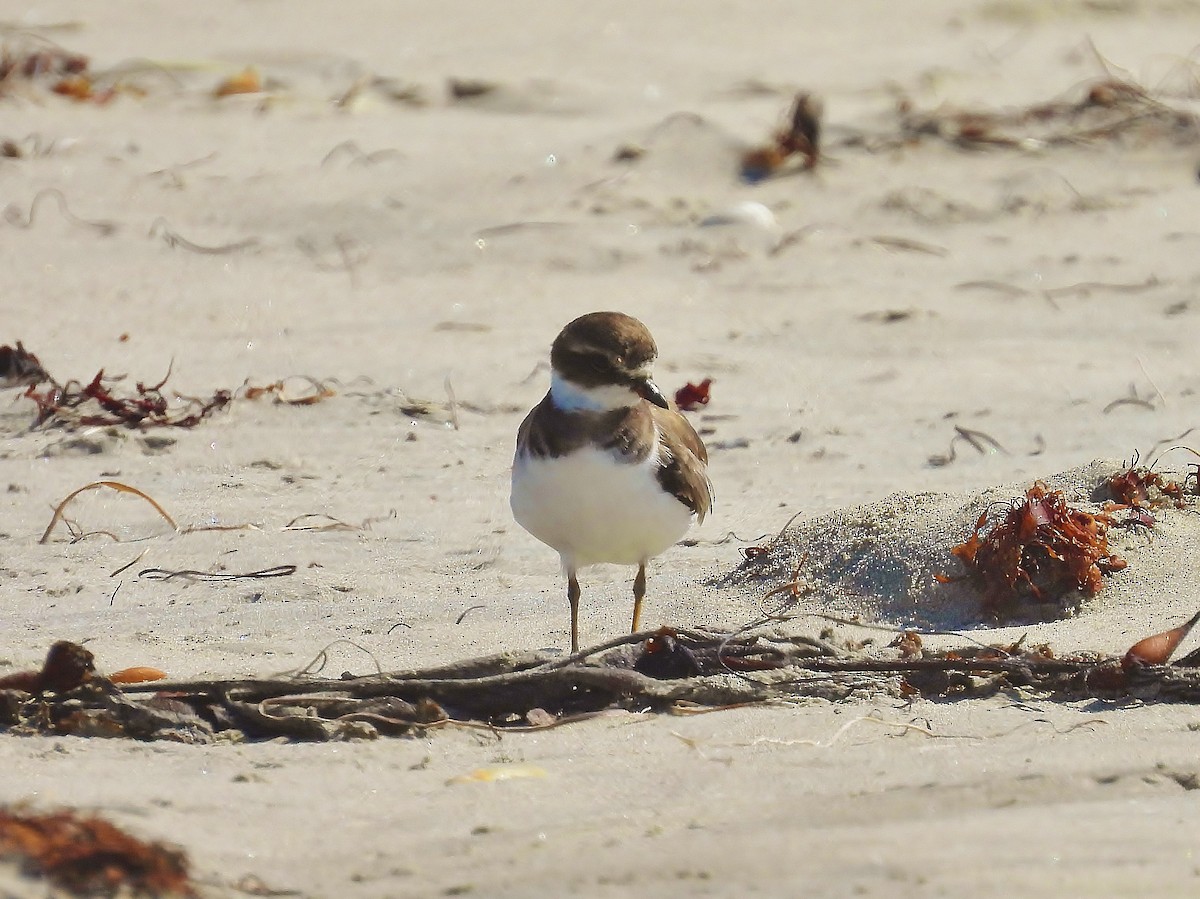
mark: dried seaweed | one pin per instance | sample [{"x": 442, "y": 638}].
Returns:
[
  {"x": 100, "y": 403},
  {"x": 1041, "y": 550},
  {"x": 1184, "y": 493},
  {"x": 112, "y": 485},
  {"x": 800, "y": 138},
  {"x": 307, "y": 522},
  {"x": 1144, "y": 488},
  {"x": 691, "y": 397},
  {"x": 1109, "y": 109},
  {"x": 191, "y": 574},
  {"x": 19, "y": 367},
  {"x": 83, "y": 89},
  {"x": 319, "y": 521},
  {"x": 88, "y": 856},
  {"x": 97, "y": 403},
  {"x": 313, "y": 391},
  {"x": 67, "y": 666},
  {"x": 668, "y": 670},
  {"x": 37, "y": 61}
]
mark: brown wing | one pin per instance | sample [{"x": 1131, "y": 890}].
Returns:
[
  {"x": 684, "y": 471},
  {"x": 532, "y": 437},
  {"x": 629, "y": 435}
]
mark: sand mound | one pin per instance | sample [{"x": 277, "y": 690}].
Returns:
[{"x": 880, "y": 562}]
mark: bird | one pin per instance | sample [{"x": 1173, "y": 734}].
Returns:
[{"x": 605, "y": 470}]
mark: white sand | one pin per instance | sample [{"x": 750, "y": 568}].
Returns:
[{"x": 821, "y": 403}]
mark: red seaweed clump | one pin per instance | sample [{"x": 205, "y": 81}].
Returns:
[{"x": 1041, "y": 550}]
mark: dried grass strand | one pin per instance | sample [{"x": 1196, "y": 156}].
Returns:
[{"x": 112, "y": 485}]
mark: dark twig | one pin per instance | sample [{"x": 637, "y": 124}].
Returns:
[
  {"x": 978, "y": 441},
  {"x": 14, "y": 216},
  {"x": 1086, "y": 288},
  {"x": 162, "y": 574},
  {"x": 467, "y": 611},
  {"x": 1150, "y": 454},
  {"x": 351, "y": 255},
  {"x": 1132, "y": 400},
  {"x": 129, "y": 564},
  {"x": 310, "y": 519},
  {"x": 357, "y": 155},
  {"x": 318, "y": 662},
  {"x": 162, "y": 228}
]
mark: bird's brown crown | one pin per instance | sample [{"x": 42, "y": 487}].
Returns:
[{"x": 603, "y": 348}]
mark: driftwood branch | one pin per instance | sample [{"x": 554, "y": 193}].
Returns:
[{"x": 665, "y": 671}]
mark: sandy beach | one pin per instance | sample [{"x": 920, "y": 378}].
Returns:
[{"x": 988, "y": 278}]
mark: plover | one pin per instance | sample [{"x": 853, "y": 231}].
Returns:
[{"x": 605, "y": 470}]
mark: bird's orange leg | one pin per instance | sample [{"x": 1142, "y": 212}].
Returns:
[
  {"x": 639, "y": 592},
  {"x": 573, "y": 599}
]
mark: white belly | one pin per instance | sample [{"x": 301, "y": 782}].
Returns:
[{"x": 592, "y": 509}]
